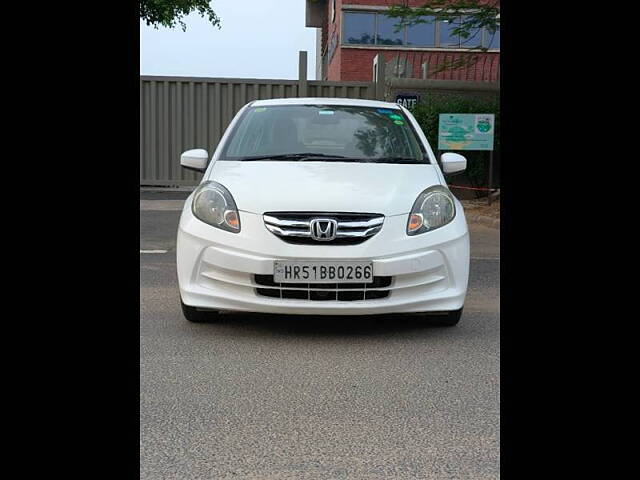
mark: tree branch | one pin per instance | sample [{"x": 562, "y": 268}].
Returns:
[{"x": 168, "y": 13}]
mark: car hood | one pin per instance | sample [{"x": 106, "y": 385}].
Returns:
[{"x": 271, "y": 186}]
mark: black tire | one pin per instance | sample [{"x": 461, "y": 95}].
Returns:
[
  {"x": 448, "y": 319},
  {"x": 197, "y": 316}
]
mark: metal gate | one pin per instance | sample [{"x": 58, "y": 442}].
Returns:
[{"x": 180, "y": 113}]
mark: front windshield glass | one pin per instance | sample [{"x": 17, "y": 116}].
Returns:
[{"x": 324, "y": 133}]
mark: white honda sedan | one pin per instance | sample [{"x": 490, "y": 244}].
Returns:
[{"x": 323, "y": 206}]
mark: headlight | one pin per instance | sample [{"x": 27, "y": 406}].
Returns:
[
  {"x": 213, "y": 204},
  {"x": 433, "y": 209}
]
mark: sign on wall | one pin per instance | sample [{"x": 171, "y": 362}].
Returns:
[
  {"x": 466, "y": 131},
  {"x": 407, "y": 100}
]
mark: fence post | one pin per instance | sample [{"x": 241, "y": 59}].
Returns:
[
  {"x": 490, "y": 177},
  {"x": 379, "y": 75},
  {"x": 425, "y": 70},
  {"x": 302, "y": 74}
]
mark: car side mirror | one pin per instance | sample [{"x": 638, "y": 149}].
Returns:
[
  {"x": 196, "y": 159},
  {"x": 453, "y": 162}
]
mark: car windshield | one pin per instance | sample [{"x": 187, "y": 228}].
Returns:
[{"x": 324, "y": 133}]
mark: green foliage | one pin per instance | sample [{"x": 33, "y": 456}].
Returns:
[
  {"x": 428, "y": 111},
  {"x": 169, "y": 12}
]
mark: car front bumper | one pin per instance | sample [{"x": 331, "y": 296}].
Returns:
[{"x": 216, "y": 268}]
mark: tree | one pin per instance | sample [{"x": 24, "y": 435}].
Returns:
[
  {"x": 169, "y": 12},
  {"x": 468, "y": 16}
]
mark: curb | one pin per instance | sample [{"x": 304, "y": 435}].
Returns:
[
  {"x": 167, "y": 189},
  {"x": 162, "y": 205},
  {"x": 484, "y": 220}
]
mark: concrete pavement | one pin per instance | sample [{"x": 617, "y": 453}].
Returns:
[{"x": 270, "y": 396}]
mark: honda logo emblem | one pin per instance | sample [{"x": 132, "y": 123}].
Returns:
[{"x": 323, "y": 229}]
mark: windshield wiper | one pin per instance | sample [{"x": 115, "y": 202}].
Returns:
[
  {"x": 331, "y": 158},
  {"x": 291, "y": 156}
]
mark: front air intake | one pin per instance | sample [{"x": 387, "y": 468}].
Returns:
[{"x": 344, "y": 292}]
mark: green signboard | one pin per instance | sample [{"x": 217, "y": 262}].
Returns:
[{"x": 466, "y": 131}]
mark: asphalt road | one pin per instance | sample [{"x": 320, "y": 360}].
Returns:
[{"x": 266, "y": 397}]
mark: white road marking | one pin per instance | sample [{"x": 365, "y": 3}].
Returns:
[{"x": 153, "y": 251}]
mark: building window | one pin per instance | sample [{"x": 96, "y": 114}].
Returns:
[
  {"x": 422, "y": 34},
  {"x": 370, "y": 28},
  {"x": 475, "y": 40},
  {"x": 359, "y": 28},
  {"x": 492, "y": 41},
  {"x": 448, "y": 39},
  {"x": 386, "y": 32}
]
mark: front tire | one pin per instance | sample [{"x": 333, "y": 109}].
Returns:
[
  {"x": 449, "y": 319},
  {"x": 197, "y": 316}
]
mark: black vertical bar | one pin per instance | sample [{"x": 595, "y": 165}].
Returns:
[{"x": 490, "y": 175}]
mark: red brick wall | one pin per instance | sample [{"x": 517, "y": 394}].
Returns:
[
  {"x": 334, "y": 27},
  {"x": 383, "y": 3},
  {"x": 357, "y": 64},
  {"x": 388, "y": 3}
]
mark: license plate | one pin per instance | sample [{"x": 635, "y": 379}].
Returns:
[{"x": 290, "y": 271}]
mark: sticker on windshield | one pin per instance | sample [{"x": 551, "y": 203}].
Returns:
[
  {"x": 260, "y": 109},
  {"x": 385, "y": 111},
  {"x": 395, "y": 116},
  {"x": 325, "y": 112},
  {"x": 398, "y": 122}
]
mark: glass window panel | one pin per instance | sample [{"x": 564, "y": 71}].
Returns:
[
  {"x": 474, "y": 40},
  {"x": 495, "y": 42},
  {"x": 386, "y": 31},
  {"x": 423, "y": 34},
  {"x": 359, "y": 28},
  {"x": 448, "y": 39}
]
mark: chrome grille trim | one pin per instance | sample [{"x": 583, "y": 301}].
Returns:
[
  {"x": 288, "y": 233},
  {"x": 290, "y": 226},
  {"x": 374, "y": 222},
  {"x": 268, "y": 219},
  {"x": 358, "y": 233}
]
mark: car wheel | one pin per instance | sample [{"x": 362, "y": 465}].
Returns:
[
  {"x": 198, "y": 316},
  {"x": 448, "y": 319}
]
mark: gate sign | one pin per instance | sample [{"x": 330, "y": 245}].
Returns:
[
  {"x": 466, "y": 131},
  {"x": 407, "y": 101}
]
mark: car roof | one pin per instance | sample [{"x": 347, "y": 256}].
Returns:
[{"x": 325, "y": 101}]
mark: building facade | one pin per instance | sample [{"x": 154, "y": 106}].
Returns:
[{"x": 350, "y": 33}]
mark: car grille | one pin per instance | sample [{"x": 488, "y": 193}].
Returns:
[
  {"x": 323, "y": 291},
  {"x": 352, "y": 228}
]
